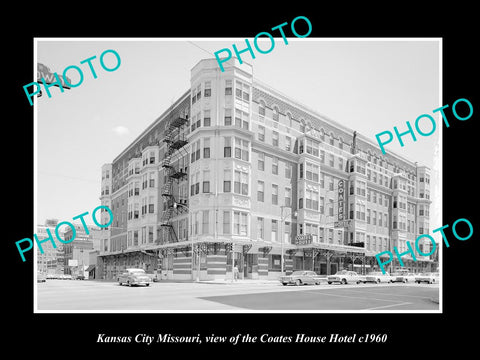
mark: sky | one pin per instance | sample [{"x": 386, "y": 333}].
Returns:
[{"x": 369, "y": 86}]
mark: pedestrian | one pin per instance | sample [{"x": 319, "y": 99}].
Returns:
[{"x": 235, "y": 272}]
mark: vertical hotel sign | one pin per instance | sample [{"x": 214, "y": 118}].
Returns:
[{"x": 341, "y": 199}]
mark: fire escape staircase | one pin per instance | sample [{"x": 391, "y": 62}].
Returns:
[{"x": 175, "y": 141}]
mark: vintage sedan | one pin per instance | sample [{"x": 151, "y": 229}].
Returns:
[
  {"x": 344, "y": 277},
  {"x": 429, "y": 278},
  {"x": 134, "y": 277},
  {"x": 403, "y": 277},
  {"x": 378, "y": 277},
  {"x": 303, "y": 277}
]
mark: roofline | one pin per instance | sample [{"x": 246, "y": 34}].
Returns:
[{"x": 315, "y": 113}]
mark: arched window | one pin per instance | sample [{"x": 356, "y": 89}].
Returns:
[{"x": 322, "y": 134}]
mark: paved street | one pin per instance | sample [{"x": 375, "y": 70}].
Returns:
[{"x": 70, "y": 295}]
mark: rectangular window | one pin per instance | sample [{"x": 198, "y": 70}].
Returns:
[
  {"x": 206, "y": 118},
  {"x": 206, "y": 181},
  {"x": 227, "y": 181},
  {"x": 240, "y": 185},
  {"x": 261, "y": 133},
  {"x": 226, "y": 222},
  {"x": 312, "y": 172},
  {"x": 243, "y": 224},
  {"x": 227, "y": 148},
  {"x": 260, "y": 191},
  {"x": 261, "y": 161},
  {"x": 207, "y": 92},
  {"x": 206, "y": 148},
  {"x": 152, "y": 180},
  {"x": 288, "y": 171},
  {"x": 288, "y": 143},
  {"x": 274, "y": 165},
  {"x": 274, "y": 194},
  {"x": 374, "y": 218},
  {"x": 238, "y": 117},
  {"x": 331, "y": 160},
  {"x": 236, "y": 222},
  {"x": 275, "y": 138},
  {"x": 228, "y": 117},
  {"x": 241, "y": 149},
  {"x": 151, "y": 205},
  {"x": 312, "y": 147},
  {"x": 228, "y": 87}
]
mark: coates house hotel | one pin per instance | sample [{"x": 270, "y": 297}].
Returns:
[{"x": 237, "y": 171}]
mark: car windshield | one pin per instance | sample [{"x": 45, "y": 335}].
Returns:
[
  {"x": 297, "y": 273},
  {"x": 342, "y": 272}
]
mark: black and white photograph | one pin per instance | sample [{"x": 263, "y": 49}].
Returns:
[
  {"x": 236, "y": 182},
  {"x": 277, "y": 188}
]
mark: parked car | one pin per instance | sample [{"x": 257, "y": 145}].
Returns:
[
  {"x": 41, "y": 278},
  {"x": 79, "y": 277},
  {"x": 344, "y": 277},
  {"x": 303, "y": 277},
  {"x": 134, "y": 277},
  {"x": 429, "y": 278},
  {"x": 378, "y": 277},
  {"x": 403, "y": 277},
  {"x": 67, "y": 277}
]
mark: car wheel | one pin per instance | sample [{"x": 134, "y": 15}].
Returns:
[
  {"x": 378, "y": 281},
  {"x": 317, "y": 283},
  {"x": 284, "y": 284},
  {"x": 120, "y": 283},
  {"x": 148, "y": 284},
  {"x": 329, "y": 282},
  {"x": 128, "y": 283},
  {"x": 298, "y": 282},
  {"x": 344, "y": 281},
  {"x": 406, "y": 280},
  {"x": 358, "y": 282}
]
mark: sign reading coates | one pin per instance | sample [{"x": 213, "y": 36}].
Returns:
[
  {"x": 341, "y": 198},
  {"x": 303, "y": 239}
]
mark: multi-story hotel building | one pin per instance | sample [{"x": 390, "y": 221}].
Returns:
[{"x": 236, "y": 170}]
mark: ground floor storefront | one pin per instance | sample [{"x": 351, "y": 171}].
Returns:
[{"x": 213, "y": 260}]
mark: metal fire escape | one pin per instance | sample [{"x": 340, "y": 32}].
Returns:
[{"x": 175, "y": 140}]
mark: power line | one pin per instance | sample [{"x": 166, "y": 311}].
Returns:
[{"x": 200, "y": 47}]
